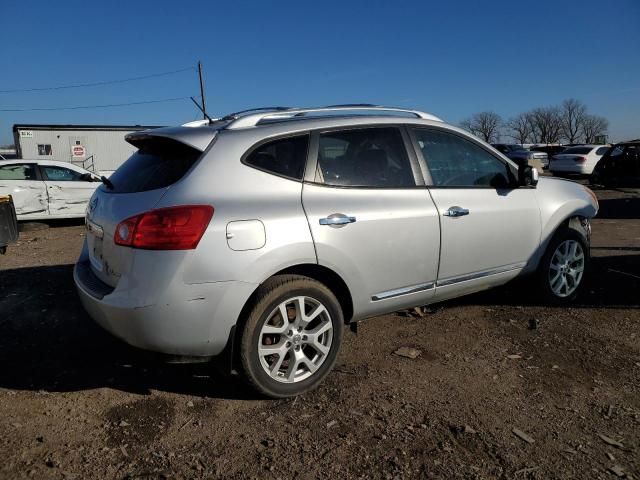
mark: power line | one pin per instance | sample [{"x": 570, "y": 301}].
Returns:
[
  {"x": 80, "y": 107},
  {"x": 97, "y": 84}
]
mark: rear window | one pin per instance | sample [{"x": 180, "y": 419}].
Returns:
[
  {"x": 159, "y": 163},
  {"x": 578, "y": 150}
]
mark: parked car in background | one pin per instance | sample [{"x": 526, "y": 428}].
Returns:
[
  {"x": 550, "y": 150},
  {"x": 619, "y": 166},
  {"x": 578, "y": 160},
  {"x": 47, "y": 189},
  {"x": 523, "y": 156},
  {"x": 260, "y": 235}
]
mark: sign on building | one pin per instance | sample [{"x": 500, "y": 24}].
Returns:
[
  {"x": 78, "y": 151},
  {"x": 26, "y": 133}
]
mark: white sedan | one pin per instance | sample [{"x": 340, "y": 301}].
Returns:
[
  {"x": 580, "y": 159},
  {"x": 45, "y": 189}
]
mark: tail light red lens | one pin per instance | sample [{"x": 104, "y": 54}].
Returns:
[
  {"x": 580, "y": 159},
  {"x": 173, "y": 228}
]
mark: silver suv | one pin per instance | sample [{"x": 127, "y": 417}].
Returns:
[{"x": 258, "y": 236}]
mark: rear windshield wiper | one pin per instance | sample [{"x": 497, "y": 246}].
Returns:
[{"x": 107, "y": 182}]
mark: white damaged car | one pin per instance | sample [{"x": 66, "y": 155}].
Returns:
[{"x": 47, "y": 189}]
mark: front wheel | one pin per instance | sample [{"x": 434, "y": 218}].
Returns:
[
  {"x": 564, "y": 267},
  {"x": 291, "y": 337}
]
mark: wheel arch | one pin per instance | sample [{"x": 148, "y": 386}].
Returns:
[
  {"x": 324, "y": 275},
  {"x": 576, "y": 220},
  {"x": 327, "y": 277}
]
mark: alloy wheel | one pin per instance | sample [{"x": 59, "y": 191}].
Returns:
[
  {"x": 566, "y": 268},
  {"x": 295, "y": 339}
]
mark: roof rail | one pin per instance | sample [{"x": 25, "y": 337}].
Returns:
[{"x": 252, "y": 119}]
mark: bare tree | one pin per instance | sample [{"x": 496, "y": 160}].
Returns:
[
  {"x": 520, "y": 128},
  {"x": 592, "y": 126},
  {"x": 485, "y": 125},
  {"x": 572, "y": 115},
  {"x": 546, "y": 124}
]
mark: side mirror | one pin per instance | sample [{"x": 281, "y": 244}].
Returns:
[
  {"x": 527, "y": 176},
  {"x": 86, "y": 177}
]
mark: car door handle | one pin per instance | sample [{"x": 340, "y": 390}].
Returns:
[
  {"x": 337, "y": 220},
  {"x": 456, "y": 212}
]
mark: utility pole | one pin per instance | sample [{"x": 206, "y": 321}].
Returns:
[{"x": 204, "y": 106}]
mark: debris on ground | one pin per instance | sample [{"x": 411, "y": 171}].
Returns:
[
  {"x": 408, "y": 352},
  {"x": 522, "y": 436},
  {"x": 610, "y": 441}
]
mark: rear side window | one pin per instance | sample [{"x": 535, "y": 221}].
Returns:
[
  {"x": 157, "y": 164},
  {"x": 285, "y": 156},
  {"x": 368, "y": 157},
  {"x": 18, "y": 172},
  {"x": 602, "y": 150}
]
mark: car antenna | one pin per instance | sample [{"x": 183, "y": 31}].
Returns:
[{"x": 202, "y": 110}]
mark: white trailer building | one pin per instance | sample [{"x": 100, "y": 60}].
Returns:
[{"x": 99, "y": 148}]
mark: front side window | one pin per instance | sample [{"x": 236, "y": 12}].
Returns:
[
  {"x": 456, "y": 162},
  {"x": 44, "y": 149},
  {"x": 367, "y": 157},
  {"x": 18, "y": 172},
  {"x": 61, "y": 174},
  {"x": 285, "y": 156}
]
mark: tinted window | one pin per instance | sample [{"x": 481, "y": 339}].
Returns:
[
  {"x": 578, "y": 150},
  {"x": 61, "y": 174},
  {"x": 285, "y": 156},
  {"x": 602, "y": 150},
  {"x": 371, "y": 157},
  {"x": 159, "y": 163},
  {"x": 18, "y": 172},
  {"x": 456, "y": 162}
]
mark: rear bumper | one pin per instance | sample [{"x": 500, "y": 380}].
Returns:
[
  {"x": 190, "y": 320},
  {"x": 570, "y": 168}
]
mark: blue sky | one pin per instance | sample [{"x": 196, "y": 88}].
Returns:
[{"x": 449, "y": 58}]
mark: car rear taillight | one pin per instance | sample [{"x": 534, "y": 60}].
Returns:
[
  {"x": 172, "y": 228},
  {"x": 580, "y": 159}
]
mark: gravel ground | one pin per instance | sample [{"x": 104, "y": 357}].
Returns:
[{"x": 504, "y": 387}]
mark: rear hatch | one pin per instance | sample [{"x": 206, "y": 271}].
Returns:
[{"x": 136, "y": 187}]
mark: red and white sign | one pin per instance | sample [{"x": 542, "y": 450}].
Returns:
[{"x": 78, "y": 151}]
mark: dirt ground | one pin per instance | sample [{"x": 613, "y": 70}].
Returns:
[{"x": 76, "y": 403}]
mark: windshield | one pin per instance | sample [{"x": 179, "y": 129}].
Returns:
[{"x": 578, "y": 150}]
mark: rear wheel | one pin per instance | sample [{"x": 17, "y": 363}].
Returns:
[
  {"x": 564, "y": 266},
  {"x": 291, "y": 337}
]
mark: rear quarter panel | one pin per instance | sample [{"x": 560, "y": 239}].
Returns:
[{"x": 239, "y": 192}]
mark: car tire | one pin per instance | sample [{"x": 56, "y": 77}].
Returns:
[
  {"x": 287, "y": 357},
  {"x": 564, "y": 267}
]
